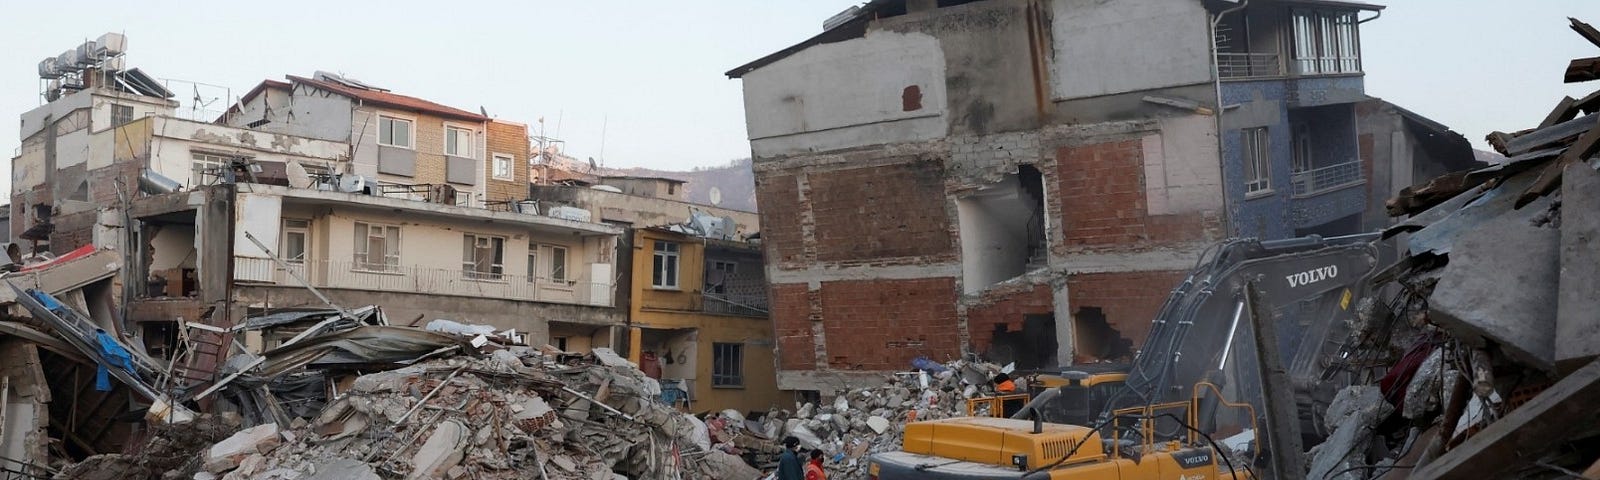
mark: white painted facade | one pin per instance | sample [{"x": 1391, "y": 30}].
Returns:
[{"x": 1104, "y": 48}]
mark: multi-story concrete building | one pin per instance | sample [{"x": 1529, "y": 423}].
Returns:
[{"x": 1027, "y": 180}]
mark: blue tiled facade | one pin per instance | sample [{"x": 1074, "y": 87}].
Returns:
[{"x": 1278, "y": 104}]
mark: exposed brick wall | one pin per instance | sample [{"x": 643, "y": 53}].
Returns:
[
  {"x": 1006, "y": 306},
  {"x": 1129, "y": 300},
  {"x": 779, "y": 198},
  {"x": 1102, "y": 200},
  {"x": 873, "y": 213},
  {"x": 430, "y": 150},
  {"x": 884, "y": 324},
  {"x": 510, "y": 139},
  {"x": 791, "y": 321}
]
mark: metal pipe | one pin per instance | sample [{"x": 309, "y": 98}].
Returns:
[
  {"x": 1238, "y": 311},
  {"x": 1216, "y": 78}
]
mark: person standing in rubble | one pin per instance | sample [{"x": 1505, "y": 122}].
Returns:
[
  {"x": 789, "y": 463},
  {"x": 814, "y": 470}
]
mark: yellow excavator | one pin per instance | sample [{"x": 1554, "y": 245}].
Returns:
[{"x": 1255, "y": 320}]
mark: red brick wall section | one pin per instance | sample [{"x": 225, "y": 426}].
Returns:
[
  {"x": 1006, "y": 307},
  {"x": 791, "y": 321},
  {"x": 779, "y": 200},
  {"x": 890, "y": 211},
  {"x": 1129, "y": 300},
  {"x": 884, "y": 324},
  {"x": 1102, "y": 200}
]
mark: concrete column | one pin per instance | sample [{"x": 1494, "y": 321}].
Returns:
[{"x": 635, "y": 343}]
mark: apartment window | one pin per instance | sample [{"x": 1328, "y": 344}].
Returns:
[
  {"x": 533, "y": 261},
  {"x": 502, "y": 166},
  {"x": 558, "y": 264},
  {"x": 121, "y": 114},
  {"x": 394, "y": 132},
  {"x": 458, "y": 142},
  {"x": 204, "y": 167},
  {"x": 377, "y": 247},
  {"x": 666, "y": 265},
  {"x": 718, "y": 275},
  {"x": 295, "y": 233},
  {"x": 1326, "y": 42},
  {"x": 483, "y": 257},
  {"x": 727, "y": 364},
  {"x": 1302, "y": 149},
  {"x": 1257, "y": 161}
]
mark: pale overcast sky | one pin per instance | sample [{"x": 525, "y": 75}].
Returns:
[{"x": 649, "y": 73}]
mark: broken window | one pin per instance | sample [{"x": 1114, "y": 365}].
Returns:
[
  {"x": 394, "y": 132},
  {"x": 718, "y": 274},
  {"x": 1257, "y": 160},
  {"x": 377, "y": 247},
  {"x": 458, "y": 142},
  {"x": 666, "y": 265},
  {"x": 205, "y": 165},
  {"x": 727, "y": 365},
  {"x": 1326, "y": 42},
  {"x": 121, "y": 114},
  {"x": 482, "y": 257},
  {"x": 1003, "y": 229},
  {"x": 295, "y": 232}
]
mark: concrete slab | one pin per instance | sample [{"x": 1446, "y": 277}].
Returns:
[
  {"x": 1577, "y": 323},
  {"x": 443, "y": 449},
  {"x": 227, "y": 454},
  {"x": 1500, "y": 286}
]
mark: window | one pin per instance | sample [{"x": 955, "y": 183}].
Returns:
[
  {"x": 483, "y": 257},
  {"x": 502, "y": 166},
  {"x": 727, "y": 364},
  {"x": 205, "y": 167},
  {"x": 1257, "y": 161},
  {"x": 458, "y": 142},
  {"x": 394, "y": 132},
  {"x": 1326, "y": 42},
  {"x": 377, "y": 247},
  {"x": 294, "y": 240},
  {"x": 533, "y": 261},
  {"x": 717, "y": 276},
  {"x": 121, "y": 114},
  {"x": 666, "y": 265},
  {"x": 1302, "y": 149},
  {"x": 558, "y": 264}
]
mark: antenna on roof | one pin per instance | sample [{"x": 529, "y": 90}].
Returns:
[
  {"x": 603, "y": 122},
  {"x": 483, "y": 111}
]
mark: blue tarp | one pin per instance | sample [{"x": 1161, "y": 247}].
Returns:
[{"x": 114, "y": 352}]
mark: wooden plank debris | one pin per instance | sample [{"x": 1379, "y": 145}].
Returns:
[
  {"x": 1588, "y": 32},
  {"x": 1525, "y": 433},
  {"x": 1565, "y": 110},
  {"x": 1551, "y": 177},
  {"x": 1583, "y": 70}
]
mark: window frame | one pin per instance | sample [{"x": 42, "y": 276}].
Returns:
[
  {"x": 510, "y": 164},
  {"x": 666, "y": 259},
  {"x": 1325, "y": 42},
  {"x": 1256, "y": 154},
  {"x": 717, "y": 265},
  {"x": 411, "y": 131},
  {"x": 471, "y": 145},
  {"x": 305, "y": 241},
  {"x": 727, "y": 365},
  {"x": 497, "y": 265},
  {"x": 361, "y": 253},
  {"x": 115, "y": 121},
  {"x": 565, "y": 264},
  {"x": 197, "y": 174}
]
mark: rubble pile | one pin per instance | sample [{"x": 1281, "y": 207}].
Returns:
[{"x": 1481, "y": 362}]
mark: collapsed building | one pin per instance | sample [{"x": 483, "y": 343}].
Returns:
[{"x": 1027, "y": 180}]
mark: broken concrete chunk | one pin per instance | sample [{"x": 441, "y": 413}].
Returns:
[
  {"x": 1577, "y": 324},
  {"x": 1352, "y": 414},
  {"x": 444, "y": 449},
  {"x": 719, "y": 464},
  {"x": 344, "y": 469},
  {"x": 1499, "y": 286},
  {"x": 610, "y": 358},
  {"x": 878, "y": 424},
  {"x": 227, "y": 454}
]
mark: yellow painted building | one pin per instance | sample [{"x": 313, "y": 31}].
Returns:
[{"x": 698, "y": 309}]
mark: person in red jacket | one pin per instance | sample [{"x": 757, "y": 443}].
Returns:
[{"x": 814, "y": 469}]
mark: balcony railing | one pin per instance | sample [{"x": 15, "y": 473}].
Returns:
[
  {"x": 1332, "y": 177},
  {"x": 1248, "y": 65},
  {"x": 425, "y": 280}
]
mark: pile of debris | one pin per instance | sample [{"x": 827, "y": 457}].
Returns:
[{"x": 1482, "y": 361}]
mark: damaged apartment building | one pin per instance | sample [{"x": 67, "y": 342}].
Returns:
[
  {"x": 1027, "y": 180},
  {"x": 363, "y": 195},
  {"x": 696, "y": 290}
]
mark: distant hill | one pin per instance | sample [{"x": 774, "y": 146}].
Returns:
[{"x": 734, "y": 181}]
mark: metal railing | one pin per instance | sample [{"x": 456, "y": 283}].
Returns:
[
  {"x": 1323, "y": 179},
  {"x": 1248, "y": 65},
  {"x": 427, "y": 280}
]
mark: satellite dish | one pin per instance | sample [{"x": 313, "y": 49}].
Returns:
[
  {"x": 716, "y": 196},
  {"x": 352, "y": 183},
  {"x": 298, "y": 177}
]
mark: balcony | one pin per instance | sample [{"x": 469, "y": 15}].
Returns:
[
  {"x": 1326, "y": 179},
  {"x": 427, "y": 281},
  {"x": 1248, "y": 65}
]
